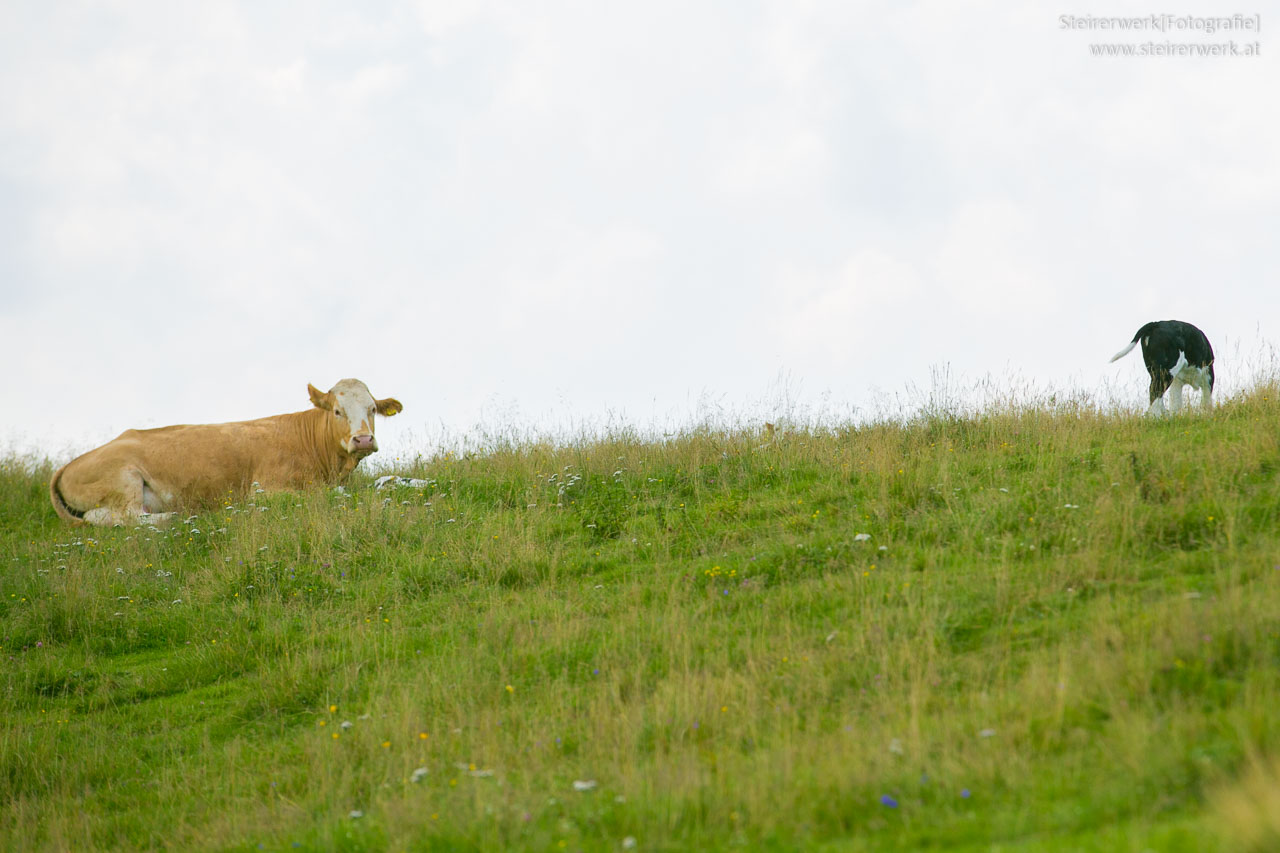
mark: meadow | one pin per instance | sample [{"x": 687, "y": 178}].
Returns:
[{"x": 1039, "y": 627}]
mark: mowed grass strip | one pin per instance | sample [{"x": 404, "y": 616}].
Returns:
[{"x": 1032, "y": 628}]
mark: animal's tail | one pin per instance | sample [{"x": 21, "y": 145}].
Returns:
[
  {"x": 1137, "y": 336},
  {"x": 65, "y": 512}
]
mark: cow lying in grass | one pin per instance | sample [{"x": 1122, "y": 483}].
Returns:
[
  {"x": 146, "y": 475},
  {"x": 1176, "y": 353}
]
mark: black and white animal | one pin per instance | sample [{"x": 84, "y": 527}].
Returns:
[{"x": 1176, "y": 354}]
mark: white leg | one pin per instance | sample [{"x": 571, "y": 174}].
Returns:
[
  {"x": 1157, "y": 407},
  {"x": 139, "y": 502},
  {"x": 106, "y": 517},
  {"x": 1175, "y": 394}
]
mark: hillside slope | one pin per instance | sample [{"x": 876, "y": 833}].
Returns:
[{"x": 1042, "y": 630}]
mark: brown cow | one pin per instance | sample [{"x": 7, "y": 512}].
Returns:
[{"x": 146, "y": 475}]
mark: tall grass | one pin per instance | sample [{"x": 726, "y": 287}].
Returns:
[{"x": 1034, "y": 626}]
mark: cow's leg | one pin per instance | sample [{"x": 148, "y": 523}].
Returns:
[
  {"x": 1160, "y": 380},
  {"x": 116, "y": 498},
  {"x": 105, "y": 516},
  {"x": 153, "y": 504},
  {"x": 1204, "y": 382},
  {"x": 132, "y": 486},
  {"x": 1175, "y": 394},
  {"x": 134, "y": 504}
]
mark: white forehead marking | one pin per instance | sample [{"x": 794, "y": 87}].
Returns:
[{"x": 354, "y": 401}]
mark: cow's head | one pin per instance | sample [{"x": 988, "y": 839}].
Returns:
[{"x": 351, "y": 408}]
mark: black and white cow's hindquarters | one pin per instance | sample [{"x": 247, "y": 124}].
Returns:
[
  {"x": 1174, "y": 378},
  {"x": 1176, "y": 354}
]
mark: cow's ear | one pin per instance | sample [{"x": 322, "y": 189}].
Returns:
[
  {"x": 321, "y": 399},
  {"x": 388, "y": 407}
]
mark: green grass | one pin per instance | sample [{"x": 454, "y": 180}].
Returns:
[{"x": 1062, "y": 634}]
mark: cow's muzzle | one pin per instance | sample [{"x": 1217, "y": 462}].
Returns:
[{"x": 363, "y": 445}]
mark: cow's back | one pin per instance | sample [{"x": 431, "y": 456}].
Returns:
[{"x": 192, "y": 465}]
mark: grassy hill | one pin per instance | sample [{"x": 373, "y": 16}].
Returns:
[{"x": 1031, "y": 630}]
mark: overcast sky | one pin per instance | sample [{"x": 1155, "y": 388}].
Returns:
[{"x": 533, "y": 214}]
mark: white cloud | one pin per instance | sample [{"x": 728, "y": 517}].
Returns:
[
  {"x": 792, "y": 163},
  {"x": 441, "y": 18},
  {"x": 848, "y": 314},
  {"x": 990, "y": 262},
  {"x": 373, "y": 81}
]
